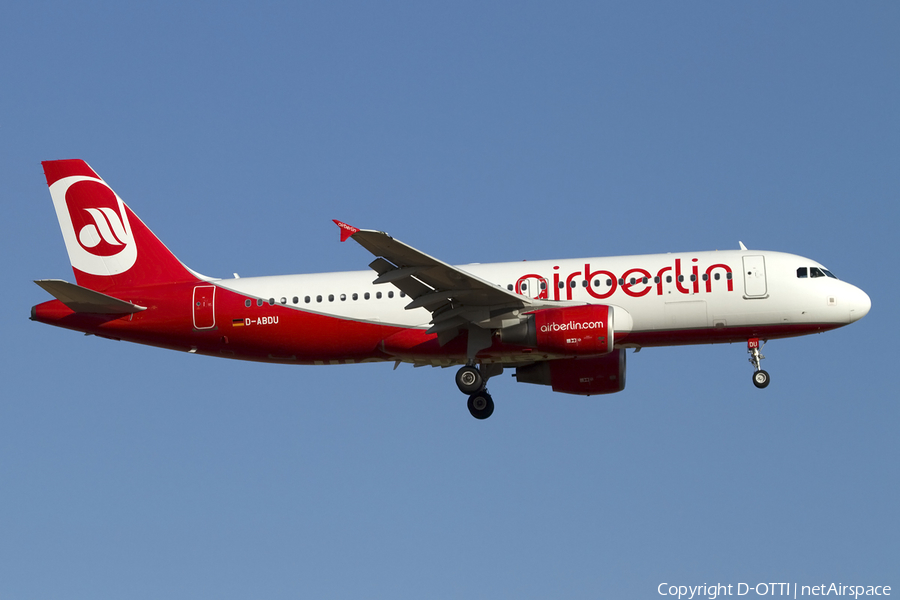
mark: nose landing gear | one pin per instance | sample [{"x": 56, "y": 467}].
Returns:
[
  {"x": 760, "y": 377},
  {"x": 471, "y": 381}
]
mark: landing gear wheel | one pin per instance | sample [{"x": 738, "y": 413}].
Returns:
[
  {"x": 481, "y": 405},
  {"x": 760, "y": 379},
  {"x": 469, "y": 380}
]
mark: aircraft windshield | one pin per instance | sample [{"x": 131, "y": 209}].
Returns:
[{"x": 804, "y": 272}]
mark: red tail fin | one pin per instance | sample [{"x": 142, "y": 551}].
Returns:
[{"x": 109, "y": 246}]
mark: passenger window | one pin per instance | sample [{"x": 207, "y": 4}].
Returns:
[
  {"x": 378, "y": 295},
  {"x": 331, "y": 297},
  {"x": 543, "y": 285},
  {"x": 271, "y": 301},
  {"x": 668, "y": 279},
  {"x": 801, "y": 273},
  {"x": 366, "y": 295},
  {"x": 296, "y": 299},
  {"x": 509, "y": 287},
  {"x": 247, "y": 303},
  {"x": 343, "y": 297},
  {"x": 306, "y": 299},
  {"x": 355, "y": 296},
  {"x": 283, "y": 300},
  {"x": 717, "y": 276},
  {"x": 572, "y": 284},
  {"x": 259, "y": 301},
  {"x": 390, "y": 294},
  {"x": 318, "y": 298}
]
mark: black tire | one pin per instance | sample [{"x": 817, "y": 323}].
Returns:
[
  {"x": 481, "y": 405},
  {"x": 469, "y": 380},
  {"x": 760, "y": 379}
]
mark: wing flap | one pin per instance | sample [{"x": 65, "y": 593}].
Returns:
[{"x": 396, "y": 274}]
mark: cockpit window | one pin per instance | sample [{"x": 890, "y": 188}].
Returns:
[{"x": 803, "y": 272}]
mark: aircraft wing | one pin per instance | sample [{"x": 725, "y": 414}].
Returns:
[{"x": 456, "y": 299}]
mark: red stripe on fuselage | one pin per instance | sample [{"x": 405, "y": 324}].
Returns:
[
  {"x": 275, "y": 333},
  {"x": 279, "y": 333},
  {"x": 721, "y": 335}
]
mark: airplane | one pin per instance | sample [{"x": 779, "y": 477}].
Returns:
[{"x": 562, "y": 323}]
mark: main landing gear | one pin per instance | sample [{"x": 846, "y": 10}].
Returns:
[
  {"x": 760, "y": 377},
  {"x": 471, "y": 381}
]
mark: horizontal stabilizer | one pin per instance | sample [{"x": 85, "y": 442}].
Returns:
[{"x": 83, "y": 300}]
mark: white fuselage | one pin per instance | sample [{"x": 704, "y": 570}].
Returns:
[{"x": 654, "y": 292}]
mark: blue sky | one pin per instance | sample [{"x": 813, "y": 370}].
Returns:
[{"x": 477, "y": 132}]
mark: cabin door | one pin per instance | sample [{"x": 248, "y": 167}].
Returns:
[
  {"x": 755, "y": 277},
  {"x": 204, "y": 307}
]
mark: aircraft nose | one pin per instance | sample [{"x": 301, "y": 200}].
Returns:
[{"x": 860, "y": 303}]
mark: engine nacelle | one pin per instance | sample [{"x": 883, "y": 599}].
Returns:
[
  {"x": 582, "y": 376},
  {"x": 572, "y": 330}
]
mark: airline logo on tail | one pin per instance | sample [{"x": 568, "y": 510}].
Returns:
[{"x": 94, "y": 225}]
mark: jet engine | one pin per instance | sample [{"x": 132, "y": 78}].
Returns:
[
  {"x": 582, "y": 376},
  {"x": 571, "y": 330}
]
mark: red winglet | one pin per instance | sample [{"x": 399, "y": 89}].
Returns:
[{"x": 346, "y": 230}]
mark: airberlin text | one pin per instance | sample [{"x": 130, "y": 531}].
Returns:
[
  {"x": 793, "y": 590},
  {"x": 572, "y": 326},
  {"x": 636, "y": 282}
]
